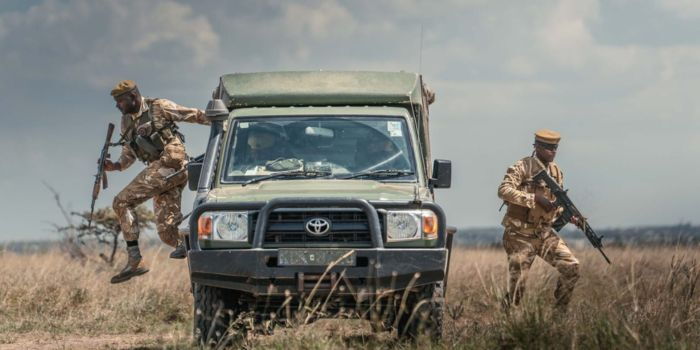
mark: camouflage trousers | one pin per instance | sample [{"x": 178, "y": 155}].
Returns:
[
  {"x": 523, "y": 247},
  {"x": 166, "y": 194}
]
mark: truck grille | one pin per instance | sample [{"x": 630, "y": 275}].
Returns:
[{"x": 289, "y": 227}]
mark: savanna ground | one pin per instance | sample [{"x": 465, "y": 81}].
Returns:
[{"x": 647, "y": 299}]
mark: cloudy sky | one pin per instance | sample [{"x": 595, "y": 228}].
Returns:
[{"x": 618, "y": 78}]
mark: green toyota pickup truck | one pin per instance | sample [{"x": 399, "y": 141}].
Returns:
[{"x": 315, "y": 199}]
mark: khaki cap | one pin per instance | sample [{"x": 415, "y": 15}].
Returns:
[
  {"x": 547, "y": 136},
  {"x": 122, "y": 87}
]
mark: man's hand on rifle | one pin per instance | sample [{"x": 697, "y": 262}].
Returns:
[
  {"x": 112, "y": 166},
  {"x": 577, "y": 221},
  {"x": 545, "y": 203}
]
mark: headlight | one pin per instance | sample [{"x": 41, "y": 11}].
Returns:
[
  {"x": 404, "y": 225},
  {"x": 224, "y": 225}
]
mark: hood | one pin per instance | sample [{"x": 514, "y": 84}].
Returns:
[{"x": 362, "y": 189}]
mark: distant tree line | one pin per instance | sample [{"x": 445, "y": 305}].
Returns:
[{"x": 680, "y": 234}]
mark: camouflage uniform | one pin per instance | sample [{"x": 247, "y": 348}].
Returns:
[
  {"x": 151, "y": 182},
  {"x": 528, "y": 230}
]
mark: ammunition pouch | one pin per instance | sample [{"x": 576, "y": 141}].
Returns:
[
  {"x": 534, "y": 216},
  {"x": 150, "y": 148},
  {"x": 166, "y": 134},
  {"x": 518, "y": 212},
  {"x": 146, "y": 149}
]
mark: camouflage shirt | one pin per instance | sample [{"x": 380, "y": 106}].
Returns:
[
  {"x": 518, "y": 191},
  {"x": 162, "y": 112}
]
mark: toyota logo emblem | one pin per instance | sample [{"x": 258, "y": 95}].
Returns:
[{"x": 318, "y": 226}]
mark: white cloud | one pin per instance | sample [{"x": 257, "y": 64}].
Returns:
[
  {"x": 174, "y": 23},
  {"x": 520, "y": 66},
  {"x": 687, "y": 9},
  {"x": 565, "y": 34},
  {"x": 566, "y": 39},
  {"x": 91, "y": 41},
  {"x": 564, "y": 42},
  {"x": 318, "y": 20},
  {"x": 491, "y": 99}
]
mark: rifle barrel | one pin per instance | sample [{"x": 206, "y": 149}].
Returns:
[
  {"x": 92, "y": 210},
  {"x": 600, "y": 249}
]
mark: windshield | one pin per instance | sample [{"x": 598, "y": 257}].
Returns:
[{"x": 325, "y": 146}]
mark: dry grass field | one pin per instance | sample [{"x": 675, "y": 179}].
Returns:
[{"x": 647, "y": 299}]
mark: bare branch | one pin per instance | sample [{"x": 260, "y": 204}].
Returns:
[
  {"x": 57, "y": 198},
  {"x": 105, "y": 230}
]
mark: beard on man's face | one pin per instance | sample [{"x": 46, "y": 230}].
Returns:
[
  {"x": 128, "y": 105},
  {"x": 133, "y": 106}
]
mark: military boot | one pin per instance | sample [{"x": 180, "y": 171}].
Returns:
[
  {"x": 180, "y": 251},
  {"x": 132, "y": 268}
]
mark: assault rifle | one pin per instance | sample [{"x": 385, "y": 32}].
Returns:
[
  {"x": 570, "y": 211},
  {"x": 101, "y": 176}
]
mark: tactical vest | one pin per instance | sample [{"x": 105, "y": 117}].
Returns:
[
  {"x": 149, "y": 148},
  {"x": 536, "y": 216}
]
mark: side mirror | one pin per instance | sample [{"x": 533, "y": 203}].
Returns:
[
  {"x": 216, "y": 110},
  {"x": 194, "y": 169},
  {"x": 442, "y": 174}
]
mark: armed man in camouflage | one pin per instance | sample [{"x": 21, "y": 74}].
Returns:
[
  {"x": 528, "y": 222},
  {"x": 149, "y": 134}
]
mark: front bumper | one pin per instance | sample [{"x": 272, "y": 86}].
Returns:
[{"x": 256, "y": 270}]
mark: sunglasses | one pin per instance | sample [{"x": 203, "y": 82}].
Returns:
[{"x": 547, "y": 146}]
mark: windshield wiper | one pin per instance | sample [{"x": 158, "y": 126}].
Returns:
[
  {"x": 292, "y": 173},
  {"x": 385, "y": 173}
]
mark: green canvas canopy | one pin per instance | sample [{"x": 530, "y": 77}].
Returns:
[{"x": 319, "y": 88}]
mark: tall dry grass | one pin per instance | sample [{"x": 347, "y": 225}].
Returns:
[
  {"x": 48, "y": 296},
  {"x": 647, "y": 299}
]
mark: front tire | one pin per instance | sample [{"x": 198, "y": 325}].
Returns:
[
  {"x": 214, "y": 310},
  {"x": 424, "y": 313}
]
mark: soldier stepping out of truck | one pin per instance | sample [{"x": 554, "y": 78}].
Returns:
[
  {"x": 149, "y": 134},
  {"x": 528, "y": 222}
]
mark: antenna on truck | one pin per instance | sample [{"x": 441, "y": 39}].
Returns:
[{"x": 420, "y": 51}]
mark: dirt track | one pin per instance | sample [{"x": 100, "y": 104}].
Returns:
[{"x": 124, "y": 341}]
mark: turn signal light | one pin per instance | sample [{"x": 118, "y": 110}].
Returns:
[
  {"x": 204, "y": 226},
  {"x": 430, "y": 225}
]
